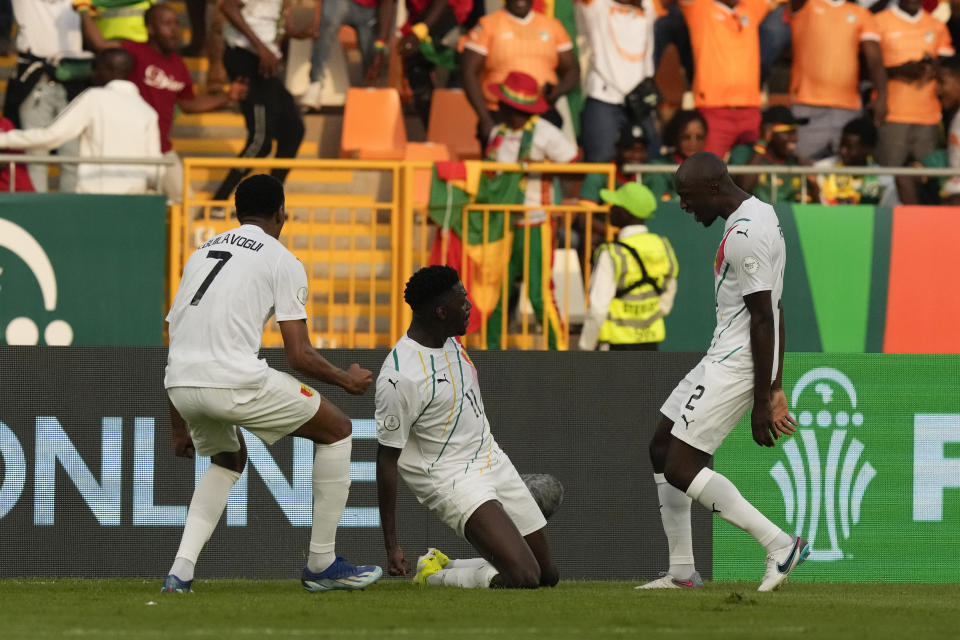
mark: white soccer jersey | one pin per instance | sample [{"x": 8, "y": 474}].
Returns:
[
  {"x": 429, "y": 405},
  {"x": 231, "y": 286},
  {"x": 751, "y": 258}
]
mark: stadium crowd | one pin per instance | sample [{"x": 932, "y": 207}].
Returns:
[{"x": 863, "y": 79}]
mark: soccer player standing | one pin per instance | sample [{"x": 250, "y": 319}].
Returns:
[
  {"x": 231, "y": 286},
  {"x": 431, "y": 425},
  {"x": 742, "y": 367}
]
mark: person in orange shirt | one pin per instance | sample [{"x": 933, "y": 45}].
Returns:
[
  {"x": 911, "y": 41},
  {"x": 516, "y": 38},
  {"x": 726, "y": 56},
  {"x": 828, "y": 36}
]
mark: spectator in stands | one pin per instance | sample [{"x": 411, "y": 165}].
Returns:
[
  {"x": 685, "y": 135},
  {"x": 197, "y": 13},
  {"x": 6, "y": 26},
  {"x": 112, "y": 121},
  {"x": 911, "y": 41},
  {"x": 777, "y": 145},
  {"x": 948, "y": 90},
  {"x": 516, "y": 37},
  {"x": 164, "y": 81},
  {"x": 21, "y": 178},
  {"x": 634, "y": 279},
  {"x": 630, "y": 148},
  {"x": 427, "y": 44},
  {"x": 620, "y": 88},
  {"x": 828, "y": 37},
  {"x": 270, "y": 112},
  {"x": 726, "y": 54},
  {"x": 117, "y": 19},
  {"x": 857, "y": 142},
  {"x": 46, "y": 32},
  {"x": 525, "y": 136},
  {"x": 328, "y": 17}
]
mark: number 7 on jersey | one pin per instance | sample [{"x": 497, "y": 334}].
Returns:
[{"x": 221, "y": 257}]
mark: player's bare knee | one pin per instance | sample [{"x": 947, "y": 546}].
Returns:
[
  {"x": 232, "y": 460},
  {"x": 676, "y": 475},
  {"x": 336, "y": 430},
  {"x": 525, "y": 577},
  {"x": 549, "y": 577},
  {"x": 658, "y": 452}
]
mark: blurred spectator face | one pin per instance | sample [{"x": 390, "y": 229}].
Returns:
[
  {"x": 910, "y": 6},
  {"x": 783, "y": 142},
  {"x": 519, "y": 8},
  {"x": 692, "y": 139},
  {"x": 948, "y": 88},
  {"x": 513, "y": 118},
  {"x": 634, "y": 154},
  {"x": 853, "y": 152},
  {"x": 164, "y": 29}
]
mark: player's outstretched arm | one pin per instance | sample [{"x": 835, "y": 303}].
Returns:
[
  {"x": 305, "y": 359},
  {"x": 387, "y": 498},
  {"x": 762, "y": 343}
]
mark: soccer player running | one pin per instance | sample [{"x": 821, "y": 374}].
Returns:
[
  {"x": 743, "y": 367},
  {"x": 432, "y": 426},
  {"x": 231, "y": 286}
]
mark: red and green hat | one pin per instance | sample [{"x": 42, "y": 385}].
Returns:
[{"x": 521, "y": 92}]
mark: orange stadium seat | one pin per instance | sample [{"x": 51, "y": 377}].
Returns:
[
  {"x": 454, "y": 123},
  {"x": 433, "y": 152},
  {"x": 373, "y": 127}
]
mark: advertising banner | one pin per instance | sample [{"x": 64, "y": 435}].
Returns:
[
  {"x": 871, "y": 478},
  {"x": 89, "y": 485},
  {"x": 82, "y": 269}
]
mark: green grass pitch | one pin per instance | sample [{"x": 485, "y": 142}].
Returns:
[{"x": 125, "y": 608}]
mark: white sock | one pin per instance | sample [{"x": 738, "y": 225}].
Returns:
[
  {"x": 717, "y": 493},
  {"x": 331, "y": 485},
  {"x": 183, "y": 569},
  {"x": 477, "y": 577},
  {"x": 465, "y": 563},
  {"x": 206, "y": 507},
  {"x": 675, "y": 515}
]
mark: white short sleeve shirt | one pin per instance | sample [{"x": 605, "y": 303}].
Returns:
[
  {"x": 231, "y": 286},
  {"x": 751, "y": 258},
  {"x": 429, "y": 405}
]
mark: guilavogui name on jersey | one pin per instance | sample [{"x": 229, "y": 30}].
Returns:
[{"x": 234, "y": 239}]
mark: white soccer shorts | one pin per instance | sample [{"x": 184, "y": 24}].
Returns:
[
  {"x": 276, "y": 409},
  {"x": 455, "y": 501},
  {"x": 708, "y": 403}
]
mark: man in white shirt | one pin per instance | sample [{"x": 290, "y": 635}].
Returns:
[
  {"x": 431, "y": 424},
  {"x": 111, "y": 120},
  {"x": 231, "y": 286},
  {"x": 47, "y": 32},
  {"x": 743, "y": 367},
  {"x": 620, "y": 37}
]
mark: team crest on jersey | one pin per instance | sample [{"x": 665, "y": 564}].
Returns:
[
  {"x": 928, "y": 36},
  {"x": 307, "y": 391},
  {"x": 851, "y": 18},
  {"x": 544, "y": 36}
]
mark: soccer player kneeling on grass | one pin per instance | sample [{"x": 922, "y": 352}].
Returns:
[
  {"x": 230, "y": 287},
  {"x": 432, "y": 426},
  {"x": 743, "y": 367}
]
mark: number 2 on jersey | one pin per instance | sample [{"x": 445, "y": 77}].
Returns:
[
  {"x": 221, "y": 257},
  {"x": 698, "y": 393}
]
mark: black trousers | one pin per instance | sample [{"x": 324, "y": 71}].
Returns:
[
  {"x": 643, "y": 346},
  {"x": 270, "y": 114}
]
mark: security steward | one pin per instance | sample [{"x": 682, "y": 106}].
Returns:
[{"x": 634, "y": 278}]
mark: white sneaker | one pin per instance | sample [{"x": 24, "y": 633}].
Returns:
[
  {"x": 782, "y": 561},
  {"x": 667, "y": 581},
  {"x": 312, "y": 98}
]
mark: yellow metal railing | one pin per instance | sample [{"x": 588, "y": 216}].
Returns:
[{"x": 360, "y": 232}]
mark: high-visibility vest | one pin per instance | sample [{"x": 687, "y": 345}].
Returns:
[
  {"x": 123, "y": 22},
  {"x": 642, "y": 265}
]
